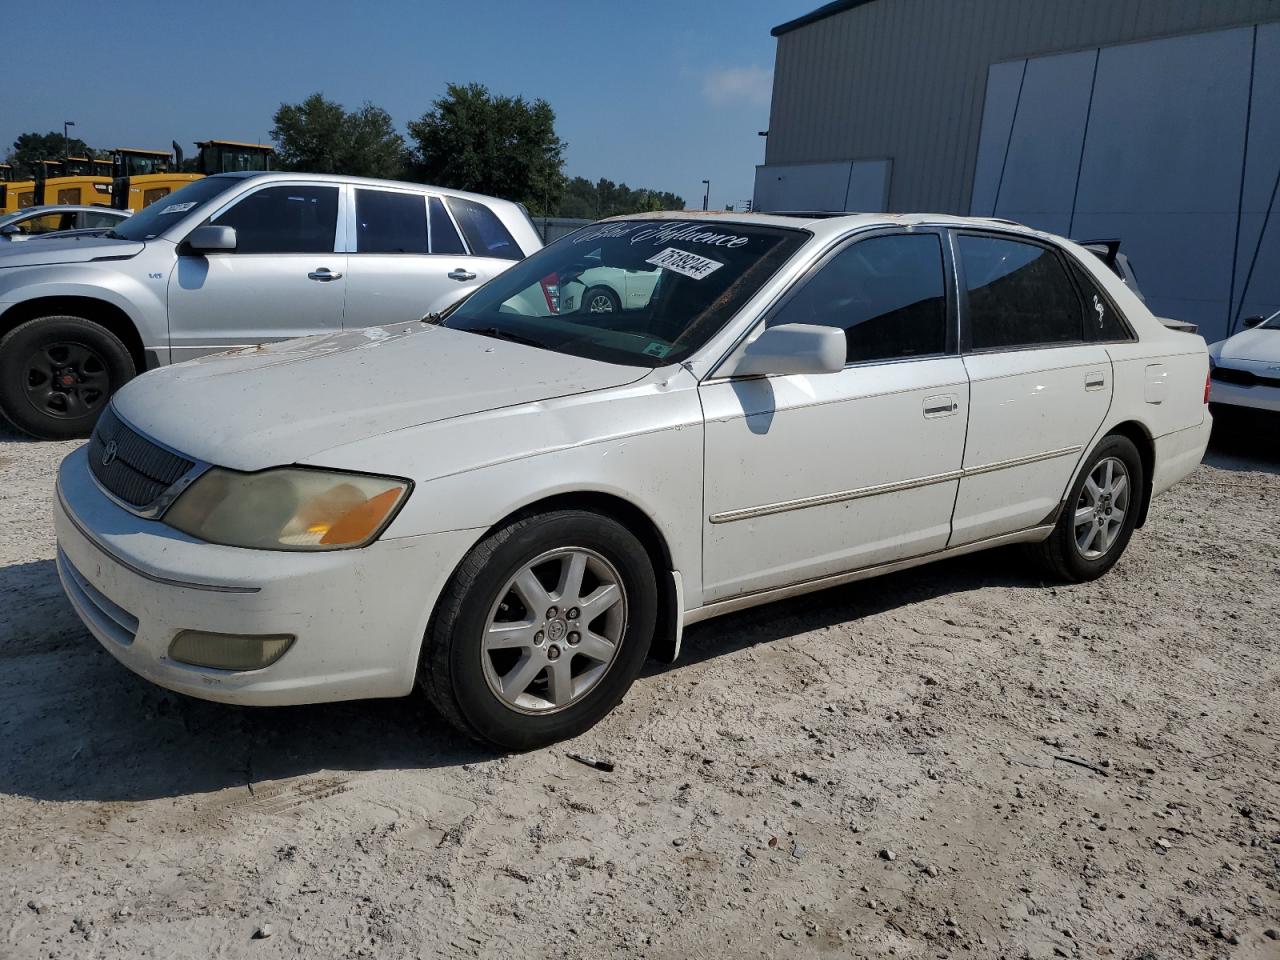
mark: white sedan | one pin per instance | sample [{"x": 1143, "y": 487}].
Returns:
[
  {"x": 512, "y": 507},
  {"x": 1246, "y": 367}
]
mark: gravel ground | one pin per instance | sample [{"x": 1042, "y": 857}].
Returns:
[{"x": 959, "y": 760}]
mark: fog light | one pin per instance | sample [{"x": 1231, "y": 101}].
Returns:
[{"x": 229, "y": 651}]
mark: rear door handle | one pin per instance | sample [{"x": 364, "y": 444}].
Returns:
[
  {"x": 941, "y": 406},
  {"x": 323, "y": 274},
  {"x": 461, "y": 274},
  {"x": 1095, "y": 380}
]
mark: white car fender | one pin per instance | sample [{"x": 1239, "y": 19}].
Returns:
[{"x": 640, "y": 443}]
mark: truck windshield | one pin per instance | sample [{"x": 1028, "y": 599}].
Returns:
[
  {"x": 149, "y": 222},
  {"x": 637, "y": 292}
]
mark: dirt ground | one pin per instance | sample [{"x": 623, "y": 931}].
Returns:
[{"x": 874, "y": 770}]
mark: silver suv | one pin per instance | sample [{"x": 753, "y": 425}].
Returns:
[{"x": 228, "y": 261}]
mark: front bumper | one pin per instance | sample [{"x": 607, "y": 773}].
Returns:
[
  {"x": 359, "y": 615},
  {"x": 1257, "y": 396}
]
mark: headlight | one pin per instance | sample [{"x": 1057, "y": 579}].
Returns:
[{"x": 290, "y": 508}]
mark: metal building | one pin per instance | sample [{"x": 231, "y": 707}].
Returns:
[{"x": 1154, "y": 121}]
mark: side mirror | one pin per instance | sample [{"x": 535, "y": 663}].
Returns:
[
  {"x": 10, "y": 230},
  {"x": 790, "y": 348},
  {"x": 211, "y": 239},
  {"x": 1249, "y": 322}
]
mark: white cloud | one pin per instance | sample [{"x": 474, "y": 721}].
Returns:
[{"x": 752, "y": 85}]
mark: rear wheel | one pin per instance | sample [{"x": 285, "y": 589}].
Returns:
[
  {"x": 600, "y": 300},
  {"x": 57, "y": 374},
  {"x": 542, "y": 629},
  {"x": 1099, "y": 515}
]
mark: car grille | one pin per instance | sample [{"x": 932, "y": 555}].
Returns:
[
  {"x": 1244, "y": 378},
  {"x": 130, "y": 466}
]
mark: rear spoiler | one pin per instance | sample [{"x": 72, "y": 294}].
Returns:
[
  {"x": 1108, "y": 254},
  {"x": 1182, "y": 325}
]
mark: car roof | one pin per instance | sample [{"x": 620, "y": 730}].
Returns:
[
  {"x": 826, "y": 224},
  {"x": 270, "y": 175}
]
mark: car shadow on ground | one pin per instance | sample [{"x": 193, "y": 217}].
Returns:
[
  {"x": 1245, "y": 441},
  {"x": 77, "y": 726}
]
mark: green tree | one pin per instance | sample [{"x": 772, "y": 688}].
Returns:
[
  {"x": 31, "y": 148},
  {"x": 320, "y": 136},
  {"x": 503, "y": 146},
  {"x": 604, "y": 198}
]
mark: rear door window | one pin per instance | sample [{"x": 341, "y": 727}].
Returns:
[
  {"x": 444, "y": 235},
  {"x": 1018, "y": 295},
  {"x": 388, "y": 222},
  {"x": 284, "y": 219},
  {"x": 485, "y": 233}
]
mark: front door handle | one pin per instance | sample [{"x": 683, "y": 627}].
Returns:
[
  {"x": 460, "y": 274},
  {"x": 323, "y": 274},
  {"x": 941, "y": 406}
]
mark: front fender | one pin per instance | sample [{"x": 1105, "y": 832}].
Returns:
[
  {"x": 641, "y": 443},
  {"x": 141, "y": 300}
]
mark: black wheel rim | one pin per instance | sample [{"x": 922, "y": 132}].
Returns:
[{"x": 66, "y": 380}]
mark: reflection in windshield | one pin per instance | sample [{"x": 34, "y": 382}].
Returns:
[
  {"x": 151, "y": 221},
  {"x": 637, "y": 292}
]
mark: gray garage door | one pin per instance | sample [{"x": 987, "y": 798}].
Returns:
[{"x": 1172, "y": 145}]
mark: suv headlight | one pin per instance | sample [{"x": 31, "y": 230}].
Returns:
[{"x": 289, "y": 508}]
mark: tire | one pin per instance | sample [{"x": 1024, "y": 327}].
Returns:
[
  {"x": 504, "y": 694},
  {"x": 1077, "y": 553},
  {"x": 57, "y": 374},
  {"x": 594, "y": 300}
]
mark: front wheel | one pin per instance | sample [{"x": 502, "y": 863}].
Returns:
[
  {"x": 1099, "y": 515},
  {"x": 542, "y": 630},
  {"x": 57, "y": 374}
]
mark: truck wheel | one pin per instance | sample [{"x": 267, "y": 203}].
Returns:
[
  {"x": 542, "y": 629},
  {"x": 57, "y": 374}
]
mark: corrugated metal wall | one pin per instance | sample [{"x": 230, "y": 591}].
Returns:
[{"x": 906, "y": 79}]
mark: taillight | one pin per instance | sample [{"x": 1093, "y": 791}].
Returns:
[
  {"x": 1207, "y": 378},
  {"x": 551, "y": 290}
]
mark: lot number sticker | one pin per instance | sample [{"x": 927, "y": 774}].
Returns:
[
  {"x": 178, "y": 207},
  {"x": 683, "y": 262}
]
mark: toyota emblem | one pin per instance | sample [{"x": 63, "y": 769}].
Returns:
[{"x": 109, "y": 453}]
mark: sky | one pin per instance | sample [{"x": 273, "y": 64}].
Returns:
[{"x": 660, "y": 94}]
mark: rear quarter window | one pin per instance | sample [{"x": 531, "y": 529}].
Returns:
[
  {"x": 485, "y": 233},
  {"x": 1102, "y": 320}
]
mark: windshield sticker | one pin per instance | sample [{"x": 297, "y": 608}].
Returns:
[
  {"x": 690, "y": 233},
  {"x": 178, "y": 207},
  {"x": 656, "y": 349},
  {"x": 663, "y": 233},
  {"x": 685, "y": 263}
]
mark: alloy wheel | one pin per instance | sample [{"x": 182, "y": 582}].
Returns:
[
  {"x": 554, "y": 631},
  {"x": 1101, "y": 509}
]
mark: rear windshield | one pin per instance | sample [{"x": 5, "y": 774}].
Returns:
[
  {"x": 151, "y": 221},
  {"x": 636, "y": 292}
]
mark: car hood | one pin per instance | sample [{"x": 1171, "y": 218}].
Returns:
[
  {"x": 46, "y": 251},
  {"x": 284, "y": 402},
  {"x": 1255, "y": 344}
]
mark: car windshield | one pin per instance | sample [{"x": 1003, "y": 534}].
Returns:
[
  {"x": 636, "y": 292},
  {"x": 151, "y": 221}
]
